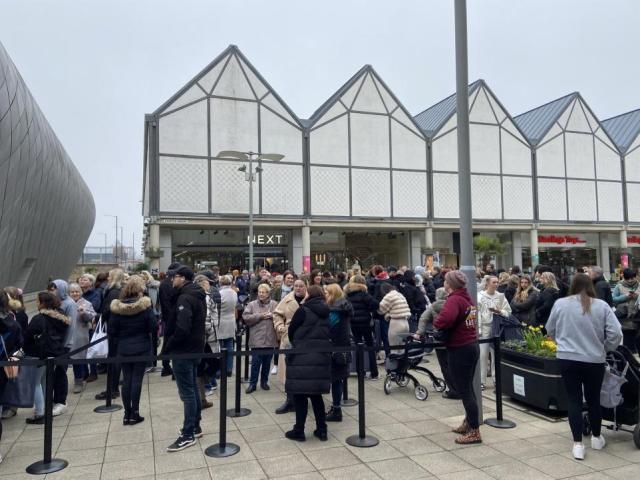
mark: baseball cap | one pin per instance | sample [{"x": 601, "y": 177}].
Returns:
[{"x": 183, "y": 271}]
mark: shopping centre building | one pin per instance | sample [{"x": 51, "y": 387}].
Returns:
[{"x": 364, "y": 181}]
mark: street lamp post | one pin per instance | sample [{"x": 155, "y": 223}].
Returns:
[
  {"x": 102, "y": 257},
  {"x": 116, "y": 245},
  {"x": 250, "y": 176}
]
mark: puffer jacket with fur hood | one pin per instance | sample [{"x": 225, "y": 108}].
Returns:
[
  {"x": 46, "y": 333},
  {"x": 364, "y": 305},
  {"x": 131, "y": 324}
]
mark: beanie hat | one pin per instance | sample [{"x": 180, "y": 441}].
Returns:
[{"x": 456, "y": 279}]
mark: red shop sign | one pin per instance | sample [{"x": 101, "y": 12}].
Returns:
[
  {"x": 562, "y": 240},
  {"x": 633, "y": 239}
]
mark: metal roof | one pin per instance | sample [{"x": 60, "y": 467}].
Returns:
[
  {"x": 537, "y": 122},
  {"x": 433, "y": 118},
  {"x": 623, "y": 129}
]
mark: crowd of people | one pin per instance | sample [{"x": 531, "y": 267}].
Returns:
[{"x": 203, "y": 312}]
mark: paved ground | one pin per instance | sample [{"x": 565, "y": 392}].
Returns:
[{"x": 415, "y": 443}]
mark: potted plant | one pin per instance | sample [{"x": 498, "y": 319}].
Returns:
[
  {"x": 487, "y": 247},
  {"x": 531, "y": 372},
  {"x": 154, "y": 252}
]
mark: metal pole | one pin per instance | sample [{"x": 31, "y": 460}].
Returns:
[
  {"x": 361, "y": 440},
  {"x": 105, "y": 249},
  {"x": 250, "y": 212},
  {"x": 238, "y": 411},
  {"x": 499, "y": 421},
  {"x": 117, "y": 263},
  {"x": 464, "y": 166}
]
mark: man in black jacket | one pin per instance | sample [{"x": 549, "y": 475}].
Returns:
[
  {"x": 187, "y": 335},
  {"x": 602, "y": 287},
  {"x": 167, "y": 301}
]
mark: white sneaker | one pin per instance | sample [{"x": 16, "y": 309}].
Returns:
[
  {"x": 598, "y": 443},
  {"x": 59, "y": 409},
  {"x": 210, "y": 391},
  {"x": 274, "y": 370},
  {"x": 578, "y": 451}
]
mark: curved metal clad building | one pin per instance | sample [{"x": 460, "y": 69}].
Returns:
[{"x": 46, "y": 209}]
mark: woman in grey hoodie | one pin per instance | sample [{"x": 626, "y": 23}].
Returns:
[{"x": 584, "y": 328}]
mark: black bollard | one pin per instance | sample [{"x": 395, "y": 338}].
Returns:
[
  {"x": 361, "y": 439},
  {"x": 108, "y": 407},
  {"x": 245, "y": 379},
  {"x": 48, "y": 464},
  {"x": 238, "y": 411},
  {"x": 346, "y": 401},
  {"x": 222, "y": 448},
  {"x": 499, "y": 421}
]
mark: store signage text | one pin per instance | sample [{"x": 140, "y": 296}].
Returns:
[
  {"x": 635, "y": 239},
  {"x": 266, "y": 239},
  {"x": 561, "y": 240}
]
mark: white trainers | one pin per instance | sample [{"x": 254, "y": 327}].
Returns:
[
  {"x": 59, "y": 409},
  {"x": 578, "y": 451},
  {"x": 274, "y": 370},
  {"x": 598, "y": 443}
]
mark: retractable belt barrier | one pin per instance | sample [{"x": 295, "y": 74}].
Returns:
[{"x": 223, "y": 448}]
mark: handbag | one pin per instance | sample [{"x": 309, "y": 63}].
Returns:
[
  {"x": 11, "y": 371},
  {"x": 99, "y": 350},
  {"x": 340, "y": 359},
  {"x": 20, "y": 391}
]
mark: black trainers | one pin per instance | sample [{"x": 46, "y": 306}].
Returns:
[
  {"x": 334, "y": 415},
  {"x": 197, "y": 432},
  {"x": 181, "y": 443},
  {"x": 321, "y": 435},
  {"x": 296, "y": 435},
  {"x": 35, "y": 420}
]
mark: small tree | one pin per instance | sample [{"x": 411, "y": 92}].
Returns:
[
  {"x": 486, "y": 247},
  {"x": 141, "y": 266}
]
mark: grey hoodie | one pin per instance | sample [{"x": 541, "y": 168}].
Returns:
[
  {"x": 69, "y": 308},
  {"x": 583, "y": 337}
]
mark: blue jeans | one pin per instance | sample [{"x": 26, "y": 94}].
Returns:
[
  {"x": 186, "y": 372},
  {"x": 260, "y": 364},
  {"x": 41, "y": 385},
  {"x": 228, "y": 344}
]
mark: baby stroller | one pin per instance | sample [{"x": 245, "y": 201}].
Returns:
[
  {"x": 625, "y": 368},
  {"x": 399, "y": 363}
]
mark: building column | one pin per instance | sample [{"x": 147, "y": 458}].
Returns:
[
  {"x": 516, "y": 245},
  {"x": 605, "y": 264},
  {"x": 415, "y": 251},
  {"x": 154, "y": 242},
  {"x": 167, "y": 249},
  {"x": 535, "y": 254},
  {"x": 306, "y": 249},
  {"x": 428, "y": 238},
  {"x": 624, "y": 243},
  {"x": 295, "y": 262}
]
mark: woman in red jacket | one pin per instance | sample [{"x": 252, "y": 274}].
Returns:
[{"x": 458, "y": 318}]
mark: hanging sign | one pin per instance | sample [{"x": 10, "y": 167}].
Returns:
[
  {"x": 561, "y": 240},
  {"x": 633, "y": 239}
]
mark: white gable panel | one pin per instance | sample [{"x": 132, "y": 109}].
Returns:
[
  {"x": 193, "y": 94},
  {"x": 234, "y": 126},
  {"x": 336, "y": 110},
  {"x": 632, "y": 166},
  {"x": 329, "y": 144},
  {"x": 330, "y": 191},
  {"x": 282, "y": 201},
  {"x": 517, "y": 193},
  {"x": 445, "y": 195},
  {"x": 582, "y": 200},
  {"x": 274, "y": 104},
  {"x": 449, "y": 125},
  {"x": 607, "y": 162},
  {"x": 370, "y": 140},
  {"x": 259, "y": 88},
  {"x": 368, "y": 100},
  {"x": 350, "y": 95},
  {"x": 209, "y": 79},
  {"x": 485, "y": 148},
  {"x": 593, "y": 123},
  {"x": 486, "y": 198},
  {"x": 516, "y": 157},
  {"x": 511, "y": 128},
  {"x": 410, "y": 194},
  {"x": 633, "y": 191},
  {"x": 366, "y": 204},
  {"x": 605, "y": 139},
  {"x": 550, "y": 158},
  {"x": 404, "y": 119},
  {"x": 233, "y": 83},
  {"x": 444, "y": 153},
  {"x": 553, "y": 132},
  {"x": 610, "y": 207},
  {"x": 577, "y": 121},
  {"x": 184, "y": 132},
  {"x": 408, "y": 150},
  {"x": 497, "y": 109},
  {"x": 230, "y": 192},
  {"x": 564, "y": 117},
  {"x": 386, "y": 96},
  {"x": 277, "y": 136},
  {"x": 552, "y": 199},
  {"x": 481, "y": 110},
  {"x": 183, "y": 185},
  {"x": 580, "y": 156}
]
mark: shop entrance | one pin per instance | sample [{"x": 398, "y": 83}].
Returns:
[{"x": 565, "y": 262}]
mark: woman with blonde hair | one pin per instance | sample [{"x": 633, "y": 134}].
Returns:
[
  {"x": 523, "y": 305},
  {"x": 340, "y": 317},
  {"x": 80, "y": 335},
  {"x": 549, "y": 293}
]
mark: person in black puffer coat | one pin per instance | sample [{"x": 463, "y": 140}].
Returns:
[
  {"x": 415, "y": 298},
  {"x": 309, "y": 374},
  {"x": 131, "y": 325},
  {"x": 362, "y": 326},
  {"x": 167, "y": 296},
  {"x": 601, "y": 285},
  {"x": 340, "y": 317}
]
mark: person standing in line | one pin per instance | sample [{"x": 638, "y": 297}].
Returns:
[
  {"x": 364, "y": 306},
  {"x": 131, "y": 325},
  {"x": 16, "y": 304},
  {"x": 414, "y": 297},
  {"x": 167, "y": 296},
  {"x": 12, "y": 340},
  {"x": 549, "y": 293},
  {"x": 152, "y": 290},
  {"x": 86, "y": 315},
  {"x": 209, "y": 366},
  {"x": 625, "y": 298},
  {"x": 395, "y": 310},
  {"x": 459, "y": 318},
  {"x": 601, "y": 285},
  {"x": 89, "y": 293},
  {"x": 584, "y": 328},
  {"x": 523, "y": 304},
  {"x": 227, "y": 331},
  {"x": 308, "y": 375},
  {"x": 258, "y": 316},
  {"x": 288, "y": 277},
  {"x": 187, "y": 335}
]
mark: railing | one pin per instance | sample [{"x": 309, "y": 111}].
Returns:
[{"x": 48, "y": 464}]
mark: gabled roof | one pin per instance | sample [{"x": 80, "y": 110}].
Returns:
[
  {"x": 433, "y": 118},
  {"x": 537, "y": 122},
  {"x": 623, "y": 129}
]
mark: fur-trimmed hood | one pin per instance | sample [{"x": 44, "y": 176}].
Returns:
[
  {"x": 354, "y": 287},
  {"x": 55, "y": 314},
  {"x": 130, "y": 307}
]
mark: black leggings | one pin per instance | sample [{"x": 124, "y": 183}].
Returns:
[
  {"x": 301, "y": 404},
  {"x": 576, "y": 376},
  {"x": 365, "y": 334},
  {"x": 132, "y": 375},
  {"x": 462, "y": 367}
]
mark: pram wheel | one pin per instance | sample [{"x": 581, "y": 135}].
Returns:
[
  {"x": 586, "y": 425},
  {"x": 439, "y": 385},
  {"x": 402, "y": 381},
  {"x": 636, "y": 435},
  {"x": 421, "y": 392},
  {"x": 387, "y": 385}
]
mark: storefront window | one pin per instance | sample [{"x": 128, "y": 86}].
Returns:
[
  {"x": 565, "y": 262},
  {"x": 620, "y": 259}
]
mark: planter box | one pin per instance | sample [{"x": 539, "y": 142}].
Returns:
[{"x": 534, "y": 381}]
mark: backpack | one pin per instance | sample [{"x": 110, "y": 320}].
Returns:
[{"x": 610, "y": 394}]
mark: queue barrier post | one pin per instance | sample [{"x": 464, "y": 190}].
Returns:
[
  {"x": 222, "y": 449},
  {"x": 346, "y": 401},
  {"x": 48, "y": 464},
  {"x": 108, "y": 407},
  {"x": 361, "y": 439},
  {"x": 245, "y": 379},
  {"x": 238, "y": 411},
  {"x": 499, "y": 421}
]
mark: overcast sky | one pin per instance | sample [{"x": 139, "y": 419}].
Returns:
[{"x": 96, "y": 68}]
